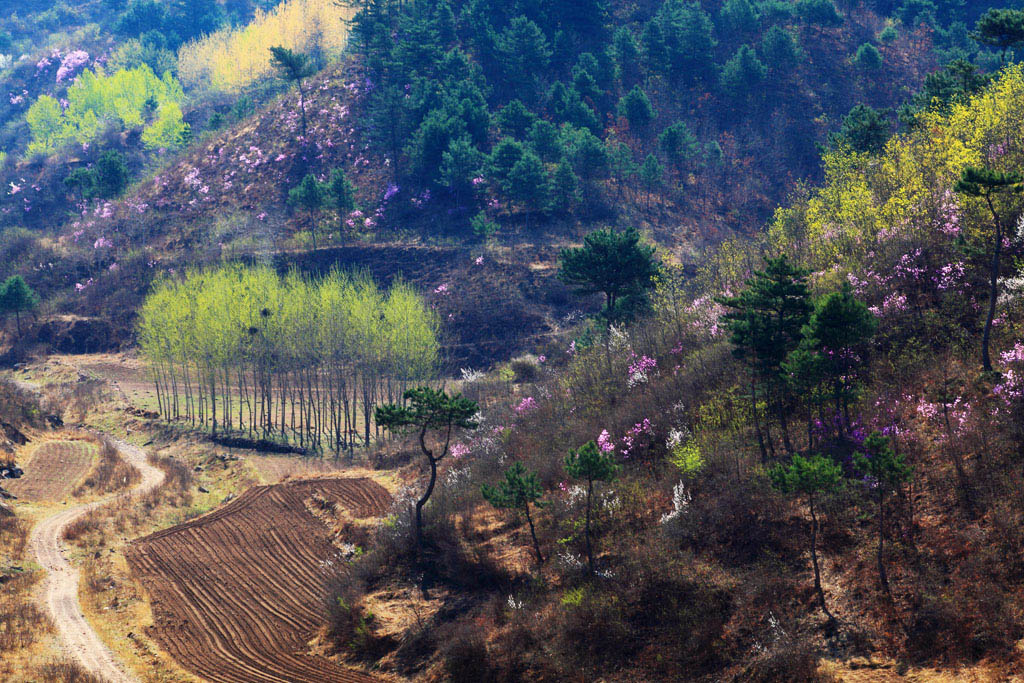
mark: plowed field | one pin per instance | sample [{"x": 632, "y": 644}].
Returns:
[
  {"x": 53, "y": 470},
  {"x": 237, "y": 594}
]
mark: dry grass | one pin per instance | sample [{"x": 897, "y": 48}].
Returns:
[
  {"x": 111, "y": 472},
  {"x": 89, "y": 522},
  {"x": 65, "y": 671}
]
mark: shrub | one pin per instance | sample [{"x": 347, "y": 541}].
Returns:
[{"x": 525, "y": 369}]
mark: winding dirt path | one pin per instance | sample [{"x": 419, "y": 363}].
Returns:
[{"x": 61, "y": 588}]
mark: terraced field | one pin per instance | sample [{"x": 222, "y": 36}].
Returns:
[
  {"x": 237, "y": 594},
  {"x": 53, "y": 470}
]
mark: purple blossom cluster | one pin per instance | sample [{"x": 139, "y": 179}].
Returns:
[
  {"x": 525, "y": 406},
  {"x": 71, "y": 63},
  {"x": 639, "y": 369}
]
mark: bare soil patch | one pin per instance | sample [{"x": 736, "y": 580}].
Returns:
[
  {"x": 239, "y": 593},
  {"x": 53, "y": 470}
]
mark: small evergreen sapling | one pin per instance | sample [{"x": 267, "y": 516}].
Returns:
[
  {"x": 885, "y": 471},
  {"x": 809, "y": 478},
  {"x": 517, "y": 491},
  {"x": 17, "y": 297},
  {"x": 310, "y": 195},
  {"x": 590, "y": 463}
]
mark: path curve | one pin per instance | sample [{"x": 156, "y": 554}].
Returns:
[{"x": 81, "y": 642}]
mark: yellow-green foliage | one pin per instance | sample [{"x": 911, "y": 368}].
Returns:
[
  {"x": 211, "y": 318},
  {"x": 96, "y": 98},
  {"x": 232, "y": 59},
  {"x": 168, "y": 128},
  {"x": 687, "y": 458},
  {"x": 899, "y": 194}
]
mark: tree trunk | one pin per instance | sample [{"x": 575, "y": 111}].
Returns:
[
  {"x": 586, "y": 528},
  {"x": 883, "y": 579},
  {"x": 533, "y": 535},
  {"x": 986, "y": 360},
  {"x": 814, "y": 562},
  {"x": 757, "y": 423}
]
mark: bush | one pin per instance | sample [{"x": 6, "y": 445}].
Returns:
[
  {"x": 465, "y": 655},
  {"x": 525, "y": 369}
]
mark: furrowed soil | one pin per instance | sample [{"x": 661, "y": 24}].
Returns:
[
  {"x": 237, "y": 595},
  {"x": 52, "y": 470}
]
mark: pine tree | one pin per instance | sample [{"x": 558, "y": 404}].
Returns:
[
  {"x": 616, "y": 264},
  {"x": 17, "y": 297},
  {"x": 111, "y": 174},
  {"x": 528, "y": 183},
  {"x": 678, "y": 144},
  {"x": 517, "y": 491},
  {"x": 636, "y": 108},
  {"x": 811, "y": 477},
  {"x": 864, "y": 130},
  {"x": 988, "y": 185},
  {"x": 626, "y": 50},
  {"x": 738, "y": 17},
  {"x": 515, "y": 119},
  {"x": 743, "y": 73},
  {"x": 504, "y": 156},
  {"x": 766, "y": 322},
  {"x": 565, "y": 187},
  {"x": 460, "y": 164},
  {"x": 294, "y": 67},
  {"x": 341, "y": 192},
  {"x": 425, "y": 409},
  {"x": 1000, "y": 28},
  {"x": 651, "y": 176},
  {"x": 840, "y": 330},
  {"x": 886, "y": 471},
  {"x": 310, "y": 195},
  {"x": 590, "y": 463},
  {"x": 868, "y": 57},
  {"x": 781, "y": 49}
]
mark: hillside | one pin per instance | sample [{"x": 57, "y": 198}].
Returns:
[
  {"x": 514, "y": 341},
  {"x": 713, "y": 153}
]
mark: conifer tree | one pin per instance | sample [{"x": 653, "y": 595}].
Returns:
[
  {"x": 678, "y": 144},
  {"x": 886, "y": 471},
  {"x": 780, "y": 49},
  {"x": 294, "y": 67},
  {"x": 517, "y": 491},
  {"x": 590, "y": 463},
  {"x": 341, "y": 192},
  {"x": 636, "y": 108},
  {"x": 528, "y": 183},
  {"x": 652, "y": 176},
  {"x": 743, "y": 74},
  {"x": 565, "y": 187},
  {"x": 868, "y": 57},
  {"x": 766, "y": 321},
  {"x": 810, "y": 477},
  {"x": 17, "y": 297},
  {"x": 626, "y": 50},
  {"x": 864, "y": 129},
  {"x": 614, "y": 263},
  {"x": 988, "y": 184},
  {"x": 1000, "y": 28},
  {"x": 840, "y": 330},
  {"x": 427, "y": 410},
  {"x": 311, "y": 195}
]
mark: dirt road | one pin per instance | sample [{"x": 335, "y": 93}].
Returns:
[{"x": 61, "y": 587}]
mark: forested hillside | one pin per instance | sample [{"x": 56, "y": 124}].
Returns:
[
  {"x": 688, "y": 333},
  {"x": 142, "y": 138}
]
